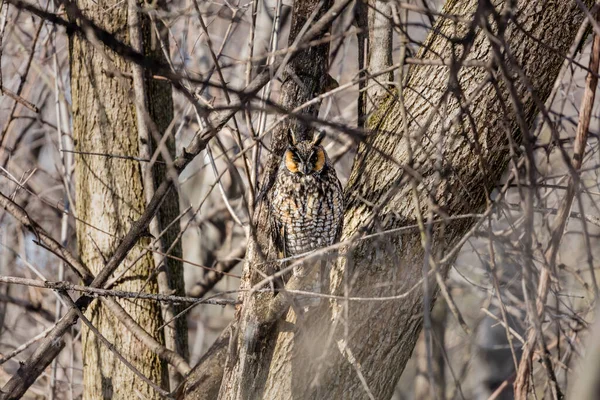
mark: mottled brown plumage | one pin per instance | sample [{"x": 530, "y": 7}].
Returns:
[{"x": 306, "y": 199}]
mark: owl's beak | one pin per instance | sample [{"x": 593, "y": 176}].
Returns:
[{"x": 305, "y": 169}]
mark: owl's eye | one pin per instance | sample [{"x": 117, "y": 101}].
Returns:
[
  {"x": 317, "y": 159},
  {"x": 291, "y": 161}
]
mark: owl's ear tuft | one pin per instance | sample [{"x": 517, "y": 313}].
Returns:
[
  {"x": 291, "y": 137},
  {"x": 318, "y": 138}
]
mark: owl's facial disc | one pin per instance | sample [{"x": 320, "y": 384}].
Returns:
[
  {"x": 306, "y": 164},
  {"x": 292, "y": 161},
  {"x": 317, "y": 160}
]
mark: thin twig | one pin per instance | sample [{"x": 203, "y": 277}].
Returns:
[
  {"x": 96, "y": 292},
  {"x": 27, "y": 104}
]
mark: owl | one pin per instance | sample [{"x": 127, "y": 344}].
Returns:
[{"x": 306, "y": 200}]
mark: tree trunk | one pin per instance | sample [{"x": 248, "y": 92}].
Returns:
[
  {"x": 110, "y": 196},
  {"x": 457, "y": 147}
]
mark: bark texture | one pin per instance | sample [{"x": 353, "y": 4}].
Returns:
[
  {"x": 110, "y": 196},
  {"x": 358, "y": 349},
  {"x": 205, "y": 379}
]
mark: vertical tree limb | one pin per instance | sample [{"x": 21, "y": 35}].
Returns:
[
  {"x": 110, "y": 194},
  {"x": 375, "y": 52},
  {"x": 170, "y": 271}
]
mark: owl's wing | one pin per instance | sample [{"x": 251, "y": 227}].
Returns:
[
  {"x": 277, "y": 233},
  {"x": 340, "y": 227}
]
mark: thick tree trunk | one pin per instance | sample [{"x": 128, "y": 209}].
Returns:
[
  {"x": 455, "y": 152},
  {"x": 110, "y": 196}
]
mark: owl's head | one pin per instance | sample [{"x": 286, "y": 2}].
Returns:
[{"x": 306, "y": 157}]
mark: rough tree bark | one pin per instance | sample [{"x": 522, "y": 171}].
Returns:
[
  {"x": 446, "y": 166},
  {"x": 110, "y": 196}
]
